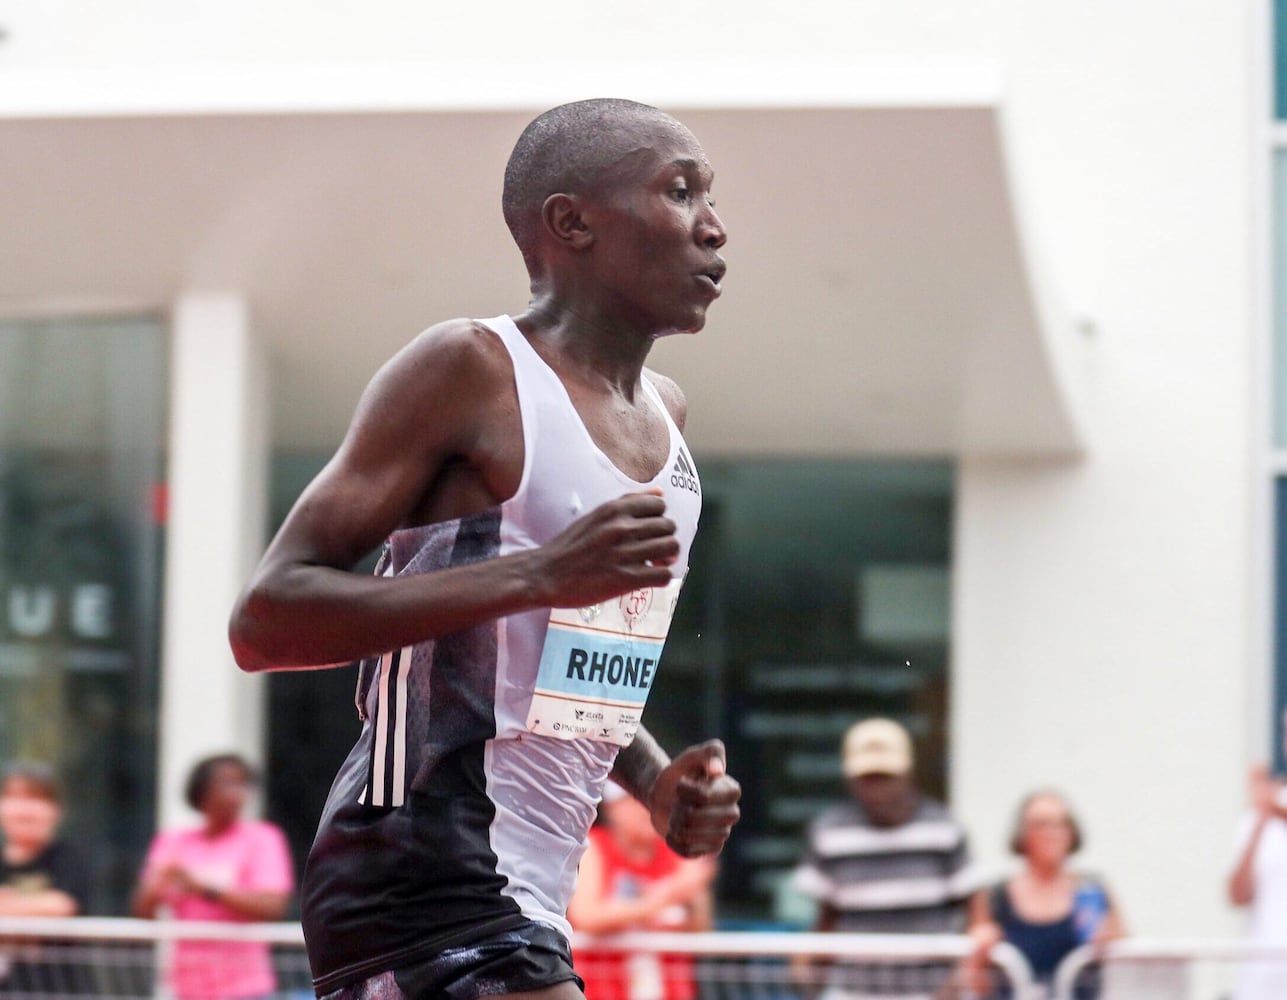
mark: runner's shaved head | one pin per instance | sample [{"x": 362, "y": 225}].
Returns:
[{"x": 568, "y": 150}]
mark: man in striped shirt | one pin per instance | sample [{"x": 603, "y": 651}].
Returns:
[{"x": 889, "y": 861}]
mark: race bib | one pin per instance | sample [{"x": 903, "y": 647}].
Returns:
[{"x": 598, "y": 665}]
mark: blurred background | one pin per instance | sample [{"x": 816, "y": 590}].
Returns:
[{"x": 991, "y": 420}]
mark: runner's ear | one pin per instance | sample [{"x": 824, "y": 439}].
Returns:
[{"x": 562, "y": 218}]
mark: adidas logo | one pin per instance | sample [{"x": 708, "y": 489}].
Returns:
[{"x": 684, "y": 475}]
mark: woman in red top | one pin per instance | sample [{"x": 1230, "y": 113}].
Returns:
[{"x": 630, "y": 880}]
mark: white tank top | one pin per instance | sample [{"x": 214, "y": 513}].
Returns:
[{"x": 565, "y": 475}]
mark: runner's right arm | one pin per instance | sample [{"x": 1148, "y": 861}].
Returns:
[{"x": 447, "y": 399}]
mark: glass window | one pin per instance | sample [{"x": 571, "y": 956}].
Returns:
[
  {"x": 1277, "y": 197},
  {"x": 1280, "y": 625},
  {"x": 817, "y": 595},
  {"x": 1280, "y": 59},
  {"x": 1279, "y": 293},
  {"x": 81, "y": 525}
]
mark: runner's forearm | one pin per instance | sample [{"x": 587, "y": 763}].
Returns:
[
  {"x": 313, "y": 616},
  {"x": 638, "y": 765},
  {"x": 304, "y": 609}
]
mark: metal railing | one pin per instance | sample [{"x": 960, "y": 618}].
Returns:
[
  {"x": 124, "y": 959},
  {"x": 795, "y": 966},
  {"x": 1196, "y": 969}
]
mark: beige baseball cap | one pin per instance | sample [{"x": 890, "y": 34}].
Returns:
[{"x": 876, "y": 746}]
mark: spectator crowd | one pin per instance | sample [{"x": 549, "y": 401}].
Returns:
[
  {"x": 888, "y": 859},
  {"x": 225, "y": 868}
]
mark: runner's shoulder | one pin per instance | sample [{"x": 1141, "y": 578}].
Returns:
[
  {"x": 458, "y": 348},
  {"x": 439, "y": 383}
]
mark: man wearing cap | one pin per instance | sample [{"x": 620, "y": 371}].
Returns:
[{"x": 889, "y": 861}]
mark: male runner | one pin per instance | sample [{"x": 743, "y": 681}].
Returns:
[{"x": 538, "y": 503}]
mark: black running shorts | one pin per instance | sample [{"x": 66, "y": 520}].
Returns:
[{"x": 530, "y": 957}]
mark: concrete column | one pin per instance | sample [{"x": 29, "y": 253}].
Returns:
[{"x": 218, "y": 491}]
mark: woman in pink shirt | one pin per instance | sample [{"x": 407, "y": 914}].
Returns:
[{"x": 229, "y": 869}]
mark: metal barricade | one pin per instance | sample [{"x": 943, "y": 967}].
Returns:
[
  {"x": 1172, "y": 970},
  {"x": 792, "y": 966},
  {"x": 122, "y": 959},
  {"x": 144, "y": 960}
]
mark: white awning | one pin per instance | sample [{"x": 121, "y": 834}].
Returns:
[{"x": 884, "y": 296}]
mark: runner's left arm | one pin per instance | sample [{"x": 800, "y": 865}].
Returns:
[{"x": 692, "y": 799}]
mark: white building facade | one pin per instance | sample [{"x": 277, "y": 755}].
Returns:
[{"x": 1030, "y": 243}]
